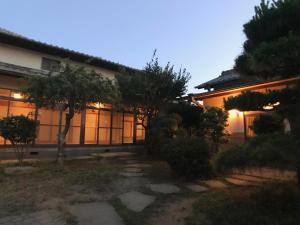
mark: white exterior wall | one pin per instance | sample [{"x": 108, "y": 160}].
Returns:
[{"x": 23, "y": 57}]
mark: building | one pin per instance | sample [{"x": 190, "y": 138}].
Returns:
[
  {"x": 230, "y": 83},
  {"x": 23, "y": 57}
]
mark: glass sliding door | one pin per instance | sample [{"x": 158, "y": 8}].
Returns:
[
  {"x": 104, "y": 127},
  {"x": 117, "y": 128},
  {"x": 128, "y": 128},
  {"x": 91, "y": 126},
  {"x": 49, "y": 126}
]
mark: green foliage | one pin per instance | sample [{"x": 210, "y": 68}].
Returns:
[
  {"x": 275, "y": 204},
  {"x": 20, "y": 131},
  {"x": 151, "y": 89},
  {"x": 71, "y": 90},
  {"x": 188, "y": 157},
  {"x": 267, "y": 124},
  {"x": 272, "y": 47},
  {"x": 270, "y": 150},
  {"x": 73, "y": 86},
  {"x": 289, "y": 107},
  {"x": 247, "y": 101},
  {"x": 213, "y": 127},
  {"x": 163, "y": 127},
  {"x": 191, "y": 115}
]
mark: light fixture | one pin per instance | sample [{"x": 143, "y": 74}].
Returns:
[
  {"x": 271, "y": 106},
  {"x": 17, "y": 95},
  {"x": 99, "y": 105}
]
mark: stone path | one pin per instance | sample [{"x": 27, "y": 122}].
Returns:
[
  {"x": 215, "y": 183},
  {"x": 196, "y": 188},
  {"x": 96, "y": 213},
  {"x": 136, "y": 201},
  {"x": 46, "y": 217},
  {"x": 164, "y": 188},
  {"x": 131, "y": 185}
]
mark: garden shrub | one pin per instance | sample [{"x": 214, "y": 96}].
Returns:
[
  {"x": 20, "y": 131},
  {"x": 162, "y": 128},
  {"x": 267, "y": 124},
  {"x": 188, "y": 157},
  {"x": 276, "y": 151}
]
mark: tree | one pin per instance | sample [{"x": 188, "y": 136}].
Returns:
[
  {"x": 213, "y": 127},
  {"x": 272, "y": 47},
  {"x": 285, "y": 102},
  {"x": 150, "y": 90},
  {"x": 70, "y": 91},
  {"x": 20, "y": 131}
]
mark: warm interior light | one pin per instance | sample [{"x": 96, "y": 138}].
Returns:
[
  {"x": 234, "y": 113},
  {"x": 17, "y": 95},
  {"x": 271, "y": 106},
  {"x": 99, "y": 105}
]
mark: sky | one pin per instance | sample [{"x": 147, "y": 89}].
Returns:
[{"x": 203, "y": 36}]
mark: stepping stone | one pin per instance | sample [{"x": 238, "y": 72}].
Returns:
[
  {"x": 96, "y": 213},
  {"x": 136, "y": 201},
  {"x": 132, "y": 174},
  {"x": 164, "y": 188},
  {"x": 196, "y": 188},
  {"x": 133, "y": 170},
  {"x": 249, "y": 178},
  {"x": 239, "y": 182},
  {"x": 215, "y": 184}
]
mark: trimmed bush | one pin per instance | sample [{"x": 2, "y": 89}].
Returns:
[
  {"x": 20, "y": 131},
  {"x": 188, "y": 157},
  {"x": 276, "y": 151},
  {"x": 267, "y": 124}
]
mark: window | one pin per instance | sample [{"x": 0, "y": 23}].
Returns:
[
  {"x": 117, "y": 128},
  {"x": 49, "y": 124},
  {"x": 128, "y": 128},
  {"x": 91, "y": 126},
  {"x": 104, "y": 127},
  {"x": 50, "y": 64}
]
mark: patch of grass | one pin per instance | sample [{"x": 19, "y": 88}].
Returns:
[
  {"x": 276, "y": 204},
  {"x": 20, "y": 194}
]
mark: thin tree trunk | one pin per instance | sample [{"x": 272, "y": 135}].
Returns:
[
  {"x": 63, "y": 134},
  {"x": 59, "y": 156}
]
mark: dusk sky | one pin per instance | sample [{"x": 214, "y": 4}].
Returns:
[{"x": 203, "y": 36}]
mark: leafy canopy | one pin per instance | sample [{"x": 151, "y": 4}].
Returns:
[
  {"x": 18, "y": 129},
  {"x": 152, "y": 88},
  {"x": 272, "y": 47},
  {"x": 74, "y": 87}
]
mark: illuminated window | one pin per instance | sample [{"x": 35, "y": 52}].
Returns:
[
  {"x": 140, "y": 130},
  {"x": 104, "y": 127},
  {"x": 73, "y": 136},
  {"x": 117, "y": 128},
  {"x": 3, "y": 113},
  {"x": 91, "y": 126},
  {"x": 128, "y": 128},
  {"x": 49, "y": 125},
  {"x": 20, "y": 108},
  {"x": 4, "y": 92}
]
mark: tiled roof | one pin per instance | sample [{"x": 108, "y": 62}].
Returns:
[
  {"x": 18, "y": 40},
  {"x": 226, "y": 76}
]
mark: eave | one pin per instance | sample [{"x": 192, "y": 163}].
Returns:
[{"x": 235, "y": 90}]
